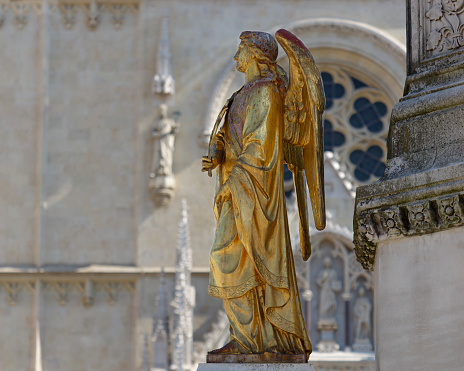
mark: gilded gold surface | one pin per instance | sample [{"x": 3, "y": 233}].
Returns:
[{"x": 270, "y": 121}]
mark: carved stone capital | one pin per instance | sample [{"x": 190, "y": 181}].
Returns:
[
  {"x": 13, "y": 288},
  {"x": 426, "y": 208}
]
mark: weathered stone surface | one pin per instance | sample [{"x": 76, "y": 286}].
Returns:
[
  {"x": 77, "y": 109},
  {"x": 412, "y": 205},
  {"x": 409, "y": 226},
  {"x": 418, "y": 286}
]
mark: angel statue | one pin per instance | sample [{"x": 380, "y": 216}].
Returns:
[{"x": 271, "y": 121}]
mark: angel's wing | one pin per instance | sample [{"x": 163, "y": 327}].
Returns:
[{"x": 304, "y": 133}]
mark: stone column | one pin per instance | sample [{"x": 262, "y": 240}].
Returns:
[
  {"x": 409, "y": 226},
  {"x": 347, "y": 301}
]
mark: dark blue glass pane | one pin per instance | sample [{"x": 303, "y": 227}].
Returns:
[
  {"x": 326, "y": 77},
  {"x": 289, "y": 193},
  {"x": 361, "y": 103},
  {"x": 367, "y": 163},
  {"x": 355, "y": 121},
  {"x": 339, "y": 139},
  {"x": 339, "y": 91},
  {"x": 332, "y": 89},
  {"x": 356, "y": 156},
  {"x": 332, "y": 138},
  {"x": 361, "y": 175},
  {"x": 358, "y": 84},
  {"x": 288, "y": 175},
  {"x": 375, "y": 127},
  {"x": 381, "y": 108},
  {"x": 327, "y": 144},
  {"x": 328, "y": 103},
  {"x": 368, "y": 115},
  {"x": 380, "y": 170},
  {"x": 375, "y": 151}
]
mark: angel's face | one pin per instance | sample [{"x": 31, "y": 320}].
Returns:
[{"x": 242, "y": 57}]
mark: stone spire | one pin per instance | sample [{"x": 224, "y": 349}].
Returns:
[
  {"x": 145, "y": 365},
  {"x": 179, "y": 305},
  {"x": 163, "y": 82},
  {"x": 184, "y": 250},
  {"x": 184, "y": 297},
  {"x": 160, "y": 336}
]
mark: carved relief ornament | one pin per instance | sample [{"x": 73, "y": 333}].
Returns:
[
  {"x": 92, "y": 11},
  {"x": 445, "y": 25},
  {"x": 88, "y": 290},
  {"x": 415, "y": 218}
]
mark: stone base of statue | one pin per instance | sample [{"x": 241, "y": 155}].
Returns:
[
  {"x": 256, "y": 358},
  {"x": 362, "y": 345},
  {"x": 327, "y": 343},
  {"x": 161, "y": 188},
  {"x": 255, "y": 367}
]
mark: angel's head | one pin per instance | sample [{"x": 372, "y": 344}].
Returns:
[
  {"x": 260, "y": 49},
  {"x": 258, "y": 46}
]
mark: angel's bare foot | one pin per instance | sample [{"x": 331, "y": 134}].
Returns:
[{"x": 230, "y": 348}]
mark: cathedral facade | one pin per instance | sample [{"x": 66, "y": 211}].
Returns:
[{"x": 106, "y": 221}]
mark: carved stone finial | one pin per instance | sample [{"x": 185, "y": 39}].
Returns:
[
  {"x": 145, "y": 365},
  {"x": 69, "y": 14},
  {"x": 20, "y": 10},
  {"x": 184, "y": 250},
  {"x": 88, "y": 297},
  {"x": 163, "y": 81},
  {"x": 179, "y": 305},
  {"x": 93, "y": 17},
  {"x": 2, "y": 17},
  {"x": 160, "y": 333},
  {"x": 184, "y": 299},
  {"x": 117, "y": 18}
]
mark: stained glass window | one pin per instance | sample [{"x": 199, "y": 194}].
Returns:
[
  {"x": 332, "y": 137},
  {"x": 332, "y": 90}
]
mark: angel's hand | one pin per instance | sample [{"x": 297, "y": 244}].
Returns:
[
  {"x": 208, "y": 164},
  {"x": 217, "y": 157}
]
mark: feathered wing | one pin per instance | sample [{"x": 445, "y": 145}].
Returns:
[{"x": 304, "y": 133}]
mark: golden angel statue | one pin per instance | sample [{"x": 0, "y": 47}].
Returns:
[{"x": 272, "y": 120}]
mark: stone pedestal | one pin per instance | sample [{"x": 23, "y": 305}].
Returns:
[
  {"x": 419, "y": 283},
  {"x": 255, "y": 367},
  {"x": 327, "y": 342},
  {"x": 409, "y": 227}
]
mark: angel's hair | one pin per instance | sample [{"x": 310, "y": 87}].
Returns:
[{"x": 263, "y": 48}]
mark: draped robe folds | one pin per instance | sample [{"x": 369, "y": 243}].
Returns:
[{"x": 252, "y": 267}]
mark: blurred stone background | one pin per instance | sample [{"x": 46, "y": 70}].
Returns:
[{"x": 87, "y": 218}]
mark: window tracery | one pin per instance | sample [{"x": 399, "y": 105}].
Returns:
[{"x": 356, "y": 122}]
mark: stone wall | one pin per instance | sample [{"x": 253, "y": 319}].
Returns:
[{"x": 75, "y": 154}]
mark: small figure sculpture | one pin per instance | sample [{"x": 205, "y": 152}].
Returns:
[
  {"x": 270, "y": 121},
  {"x": 162, "y": 182},
  {"x": 362, "y": 315},
  {"x": 330, "y": 285}
]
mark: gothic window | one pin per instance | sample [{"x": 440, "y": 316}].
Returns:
[{"x": 355, "y": 123}]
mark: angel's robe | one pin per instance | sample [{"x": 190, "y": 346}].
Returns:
[{"x": 252, "y": 266}]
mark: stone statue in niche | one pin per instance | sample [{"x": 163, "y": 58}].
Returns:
[
  {"x": 362, "y": 316},
  {"x": 162, "y": 182},
  {"x": 330, "y": 285}
]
